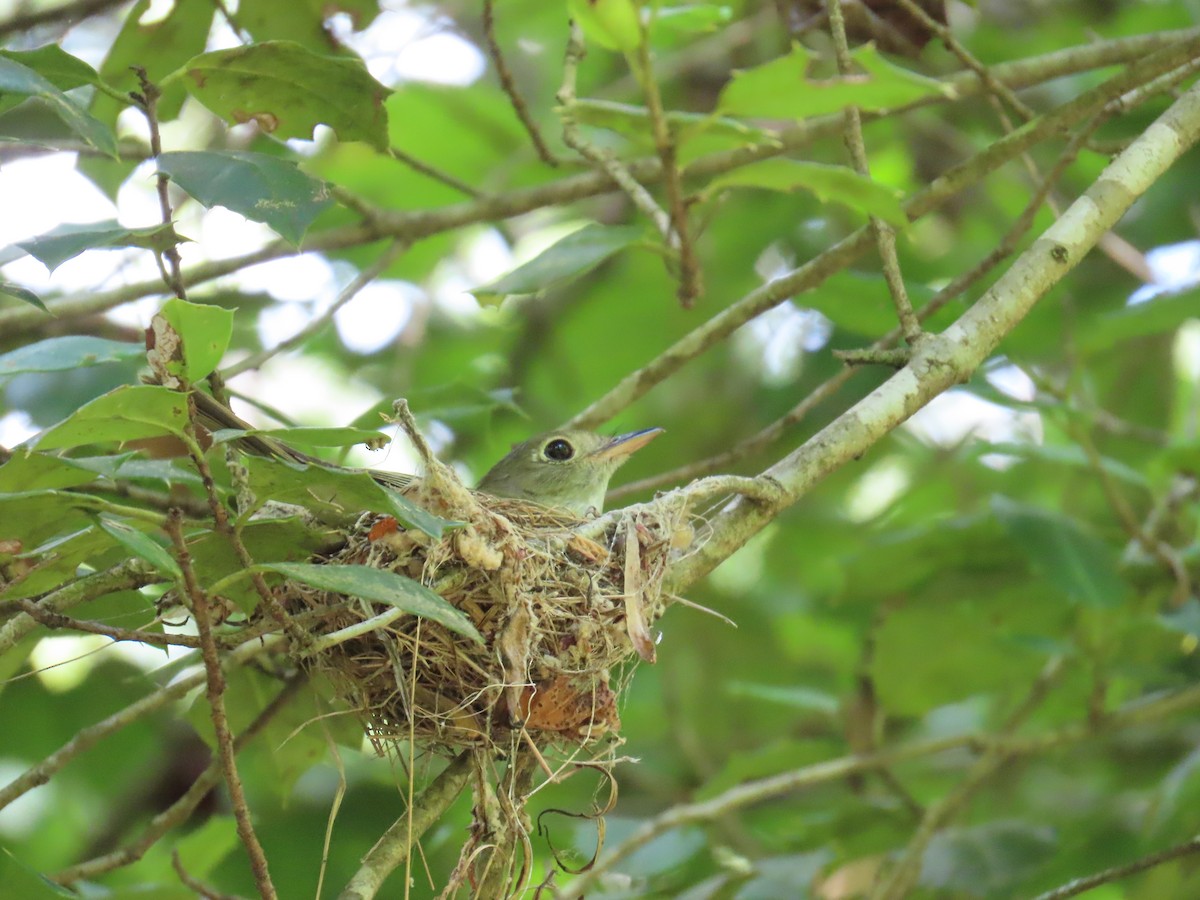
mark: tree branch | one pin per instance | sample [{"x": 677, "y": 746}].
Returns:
[{"x": 949, "y": 358}]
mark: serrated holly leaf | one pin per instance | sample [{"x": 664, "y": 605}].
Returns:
[
  {"x": 781, "y": 89},
  {"x": 22, "y": 81},
  {"x": 128, "y": 413},
  {"x": 289, "y": 90},
  {"x": 381, "y": 586},
  {"x": 260, "y": 187},
  {"x": 613, "y": 24},
  {"x": 61, "y": 354},
  {"x": 205, "y": 331},
  {"x": 67, "y": 241},
  {"x": 692, "y": 18},
  {"x": 829, "y": 183},
  {"x": 570, "y": 256}
]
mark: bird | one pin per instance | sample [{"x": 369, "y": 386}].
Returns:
[
  {"x": 564, "y": 469},
  {"x": 567, "y": 470}
]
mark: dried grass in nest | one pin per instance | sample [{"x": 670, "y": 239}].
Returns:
[{"x": 559, "y": 614}]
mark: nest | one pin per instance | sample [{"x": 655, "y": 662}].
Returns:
[{"x": 561, "y": 615}]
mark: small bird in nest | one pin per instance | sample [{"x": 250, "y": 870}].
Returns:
[{"x": 567, "y": 470}]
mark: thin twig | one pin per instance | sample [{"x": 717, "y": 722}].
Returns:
[
  {"x": 509, "y": 85},
  {"x": 813, "y": 272},
  {"x": 433, "y": 172},
  {"x": 1116, "y": 873},
  {"x": 88, "y": 737},
  {"x": 392, "y": 847},
  {"x": 620, "y": 173},
  {"x": 827, "y": 389},
  {"x": 348, "y": 293},
  {"x": 128, "y": 575},
  {"x": 232, "y": 536},
  {"x": 215, "y": 690},
  {"x": 199, "y": 888},
  {"x": 413, "y": 225},
  {"x": 181, "y": 810},
  {"x": 691, "y": 286},
  {"x": 53, "y": 620},
  {"x": 885, "y": 234},
  {"x": 902, "y": 878},
  {"x": 147, "y": 101},
  {"x": 988, "y": 81}
]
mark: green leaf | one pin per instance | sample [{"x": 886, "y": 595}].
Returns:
[
  {"x": 289, "y": 90},
  {"x": 634, "y": 122},
  {"x": 159, "y": 46},
  {"x": 65, "y": 353},
  {"x": 22, "y": 81},
  {"x": 1069, "y": 455},
  {"x": 613, "y": 24},
  {"x": 836, "y": 183},
  {"x": 1073, "y": 560},
  {"x": 126, "y": 414},
  {"x": 1155, "y": 316},
  {"x": 23, "y": 294},
  {"x": 570, "y": 256},
  {"x": 56, "y": 65},
  {"x": 60, "y": 68},
  {"x": 793, "y": 696},
  {"x": 302, "y": 21},
  {"x": 293, "y": 539},
  {"x": 381, "y": 586},
  {"x": 65, "y": 242},
  {"x": 202, "y": 850},
  {"x": 31, "y": 471},
  {"x": 780, "y": 89},
  {"x": 21, "y": 881},
  {"x": 205, "y": 330},
  {"x": 141, "y": 545},
  {"x": 335, "y": 494},
  {"x": 693, "y": 18},
  {"x": 307, "y": 436},
  {"x": 263, "y": 188}
]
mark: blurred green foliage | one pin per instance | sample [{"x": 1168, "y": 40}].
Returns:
[{"x": 920, "y": 593}]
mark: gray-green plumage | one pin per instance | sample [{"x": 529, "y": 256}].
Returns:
[{"x": 564, "y": 469}]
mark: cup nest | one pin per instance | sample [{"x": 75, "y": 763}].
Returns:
[{"x": 561, "y": 615}]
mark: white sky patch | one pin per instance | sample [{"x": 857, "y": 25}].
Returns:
[
  {"x": 307, "y": 389},
  {"x": 483, "y": 258},
  {"x": 15, "y": 428},
  {"x": 377, "y": 315},
  {"x": 414, "y": 45},
  {"x": 47, "y": 191},
  {"x": 958, "y": 415},
  {"x": 24, "y": 815},
  {"x": 224, "y": 234},
  {"x": 775, "y": 342},
  {"x": 1011, "y": 380},
  {"x": 62, "y": 662},
  {"x": 1176, "y": 267}
]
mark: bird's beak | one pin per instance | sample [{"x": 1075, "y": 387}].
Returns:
[{"x": 622, "y": 445}]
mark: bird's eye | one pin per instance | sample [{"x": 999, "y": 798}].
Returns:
[{"x": 558, "y": 449}]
